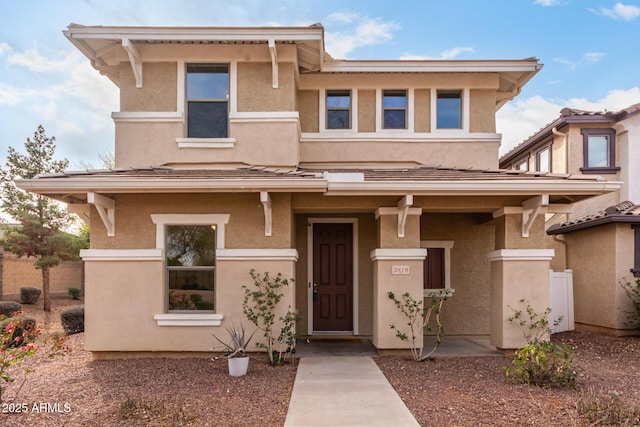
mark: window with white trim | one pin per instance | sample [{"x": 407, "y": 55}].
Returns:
[
  {"x": 207, "y": 93},
  {"x": 338, "y": 109},
  {"x": 449, "y": 109},
  {"x": 523, "y": 165},
  {"x": 543, "y": 160},
  {"x": 437, "y": 266},
  {"x": 394, "y": 109},
  {"x": 190, "y": 256}
]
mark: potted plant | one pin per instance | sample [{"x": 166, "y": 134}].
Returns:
[{"x": 235, "y": 350}]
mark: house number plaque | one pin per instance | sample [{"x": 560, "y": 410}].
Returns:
[{"x": 400, "y": 269}]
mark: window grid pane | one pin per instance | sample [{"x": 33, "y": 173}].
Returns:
[
  {"x": 207, "y": 100},
  {"x": 338, "y": 109},
  {"x": 598, "y": 151},
  {"x": 394, "y": 104},
  {"x": 449, "y": 110},
  {"x": 543, "y": 161},
  {"x": 190, "y": 258}
]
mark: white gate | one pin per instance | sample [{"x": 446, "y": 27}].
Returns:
[{"x": 561, "y": 287}]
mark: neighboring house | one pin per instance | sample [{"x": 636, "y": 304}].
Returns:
[
  {"x": 240, "y": 148},
  {"x": 601, "y": 237}
]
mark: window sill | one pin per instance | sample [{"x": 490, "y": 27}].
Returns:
[
  {"x": 603, "y": 170},
  {"x": 635, "y": 271},
  {"x": 205, "y": 142},
  {"x": 189, "y": 319},
  {"x": 434, "y": 292}
]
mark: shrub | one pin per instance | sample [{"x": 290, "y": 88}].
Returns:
[
  {"x": 418, "y": 318},
  {"x": 607, "y": 410},
  {"x": 21, "y": 332},
  {"x": 73, "y": 320},
  {"x": 260, "y": 304},
  {"x": 29, "y": 295},
  {"x": 633, "y": 292},
  {"x": 541, "y": 362},
  {"x": 74, "y": 293},
  {"x": 7, "y": 308}
]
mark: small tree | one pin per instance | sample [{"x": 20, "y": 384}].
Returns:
[{"x": 40, "y": 218}]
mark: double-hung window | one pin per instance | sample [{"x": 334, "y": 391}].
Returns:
[
  {"x": 191, "y": 261},
  {"x": 394, "y": 106},
  {"x": 599, "y": 151},
  {"x": 543, "y": 160},
  {"x": 449, "y": 109},
  {"x": 207, "y": 100},
  {"x": 437, "y": 266},
  {"x": 338, "y": 109},
  {"x": 523, "y": 165}
]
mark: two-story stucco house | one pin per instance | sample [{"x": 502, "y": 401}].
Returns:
[
  {"x": 252, "y": 148},
  {"x": 601, "y": 237}
]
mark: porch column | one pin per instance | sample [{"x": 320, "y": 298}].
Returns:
[
  {"x": 519, "y": 271},
  {"x": 398, "y": 268}
]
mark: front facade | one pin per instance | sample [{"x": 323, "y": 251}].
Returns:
[
  {"x": 599, "y": 240},
  {"x": 252, "y": 148}
]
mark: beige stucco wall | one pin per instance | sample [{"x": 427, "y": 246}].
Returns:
[
  {"x": 366, "y": 110},
  {"x": 255, "y": 87},
  {"x": 142, "y": 144},
  {"x": 117, "y": 286},
  {"x": 135, "y": 230},
  {"x": 509, "y": 233},
  {"x": 482, "y": 106},
  {"x": 422, "y": 103},
  {"x": 308, "y": 110},
  {"x": 600, "y": 258},
  {"x": 479, "y": 154},
  {"x": 467, "y": 311},
  {"x": 158, "y": 91}
]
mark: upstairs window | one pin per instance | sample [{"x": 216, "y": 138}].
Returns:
[
  {"x": 394, "y": 106},
  {"x": 207, "y": 100},
  {"x": 523, "y": 165},
  {"x": 543, "y": 160},
  {"x": 449, "y": 109},
  {"x": 191, "y": 261},
  {"x": 599, "y": 151},
  {"x": 338, "y": 109}
]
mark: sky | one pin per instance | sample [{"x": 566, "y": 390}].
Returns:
[{"x": 589, "y": 49}]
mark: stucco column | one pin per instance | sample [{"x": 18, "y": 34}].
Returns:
[{"x": 397, "y": 267}]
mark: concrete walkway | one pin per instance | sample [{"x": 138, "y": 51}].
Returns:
[{"x": 344, "y": 391}]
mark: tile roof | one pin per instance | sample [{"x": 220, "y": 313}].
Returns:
[{"x": 624, "y": 212}]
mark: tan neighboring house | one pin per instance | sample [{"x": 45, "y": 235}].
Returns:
[
  {"x": 252, "y": 148},
  {"x": 600, "y": 239}
]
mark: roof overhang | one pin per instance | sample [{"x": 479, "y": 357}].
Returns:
[
  {"x": 101, "y": 43},
  {"x": 513, "y": 74}
]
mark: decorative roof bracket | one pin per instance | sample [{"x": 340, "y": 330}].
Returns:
[
  {"x": 106, "y": 208},
  {"x": 274, "y": 63},
  {"x": 265, "y": 199},
  {"x": 530, "y": 210},
  {"x": 135, "y": 59},
  {"x": 403, "y": 210}
]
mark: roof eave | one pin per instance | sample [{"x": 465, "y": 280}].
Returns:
[{"x": 613, "y": 219}]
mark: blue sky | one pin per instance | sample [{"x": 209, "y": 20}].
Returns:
[{"x": 589, "y": 50}]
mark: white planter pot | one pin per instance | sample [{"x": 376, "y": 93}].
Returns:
[{"x": 238, "y": 366}]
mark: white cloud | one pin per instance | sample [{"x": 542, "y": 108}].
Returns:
[
  {"x": 34, "y": 61},
  {"x": 447, "y": 54},
  {"x": 520, "y": 119},
  {"x": 593, "y": 57},
  {"x": 547, "y": 3},
  {"x": 363, "y": 31},
  {"x": 619, "y": 11},
  {"x": 587, "y": 58},
  {"x": 341, "y": 18},
  {"x": 5, "y": 48}
]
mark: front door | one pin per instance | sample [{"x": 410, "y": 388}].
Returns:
[{"x": 332, "y": 277}]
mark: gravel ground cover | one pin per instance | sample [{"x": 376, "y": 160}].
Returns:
[{"x": 75, "y": 390}]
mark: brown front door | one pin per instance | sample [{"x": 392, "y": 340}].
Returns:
[{"x": 332, "y": 277}]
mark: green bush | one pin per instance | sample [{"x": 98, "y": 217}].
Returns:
[
  {"x": 73, "y": 320},
  {"x": 7, "y": 308},
  {"x": 544, "y": 363},
  {"x": 29, "y": 295},
  {"x": 26, "y": 324},
  {"x": 74, "y": 293}
]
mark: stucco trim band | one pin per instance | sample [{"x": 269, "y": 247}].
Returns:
[
  {"x": 147, "y": 116},
  {"x": 401, "y": 254},
  {"x": 121, "y": 254},
  {"x": 188, "y": 319},
  {"x": 521, "y": 255},
  {"x": 257, "y": 255}
]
